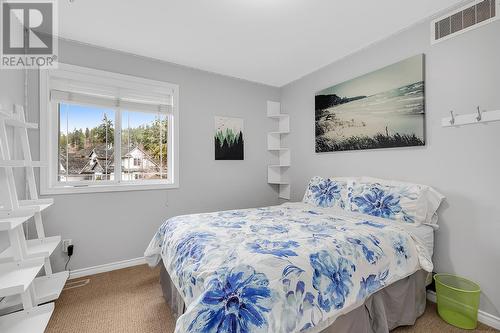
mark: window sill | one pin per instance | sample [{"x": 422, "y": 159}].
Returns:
[{"x": 107, "y": 188}]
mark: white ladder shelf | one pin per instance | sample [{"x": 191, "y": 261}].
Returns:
[
  {"x": 22, "y": 293},
  {"x": 278, "y": 173}
]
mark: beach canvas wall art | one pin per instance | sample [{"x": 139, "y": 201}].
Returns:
[
  {"x": 228, "y": 138},
  {"x": 382, "y": 109}
]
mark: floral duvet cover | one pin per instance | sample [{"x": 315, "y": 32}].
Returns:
[{"x": 287, "y": 268}]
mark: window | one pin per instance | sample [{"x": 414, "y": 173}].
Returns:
[
  {"x": 103, "y": 131},
  {"x": 85, "y": 143}
]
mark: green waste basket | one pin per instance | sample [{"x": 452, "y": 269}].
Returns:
[{"x": 457, "y": 300}]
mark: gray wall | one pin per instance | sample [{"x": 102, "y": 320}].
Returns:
[
  {"x": 461, "y": 163},
  {"x": 108, "y": 227},
  {"x": 11, "y": 87}
]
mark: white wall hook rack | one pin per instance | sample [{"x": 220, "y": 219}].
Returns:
[{"x": 478, "y": 117}]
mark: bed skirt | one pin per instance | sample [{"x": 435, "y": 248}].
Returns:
[{"x": 398, "y": 304}]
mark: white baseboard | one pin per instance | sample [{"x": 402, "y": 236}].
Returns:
[
  {"x": 77, "y": 273},
  {"x": 483, "y": 317}
]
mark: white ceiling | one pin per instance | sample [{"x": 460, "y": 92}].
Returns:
[{"x": 268, "y": 41}]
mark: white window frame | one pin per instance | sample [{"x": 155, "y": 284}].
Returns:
[{"x": 49, "y": 132}]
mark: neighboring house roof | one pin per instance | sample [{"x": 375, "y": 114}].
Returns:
[
  {"x": 100, "y": 159},
  {"x": 73, "y": 163}
]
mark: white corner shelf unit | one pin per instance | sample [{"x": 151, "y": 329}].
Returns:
[
  {"x": 278, "y": 173},
  {"x": 23, "y": 289}
]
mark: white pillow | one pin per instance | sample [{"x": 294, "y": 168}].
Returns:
[
  {"x": 327, "y": 192},
  {"x": 419, "y": 203}
]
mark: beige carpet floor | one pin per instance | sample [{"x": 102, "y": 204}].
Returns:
[{"x": 130, "y": 300}]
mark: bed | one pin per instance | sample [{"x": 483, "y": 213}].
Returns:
[{"x": 326, "y": 264}]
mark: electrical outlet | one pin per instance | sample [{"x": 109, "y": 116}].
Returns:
[{"x": 65, "y": 244}]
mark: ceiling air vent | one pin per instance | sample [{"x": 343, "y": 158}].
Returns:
[{"x": 469, "y": 17}]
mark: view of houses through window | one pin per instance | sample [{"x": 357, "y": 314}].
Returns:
[
  {"x": 87, "y": 144},
  {"x": 144, "y": 146}
]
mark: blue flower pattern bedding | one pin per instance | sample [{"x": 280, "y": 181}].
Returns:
[
  {"x": 288, "y": 268},
  {"x": 400, "y": 202}
]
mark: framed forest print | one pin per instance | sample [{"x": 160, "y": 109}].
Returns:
[{"x": 228, "y": 138}]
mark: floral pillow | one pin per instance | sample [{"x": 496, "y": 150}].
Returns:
[
  {"x": 326, "y": 192},
  {"x": 405, "y": 202}
]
